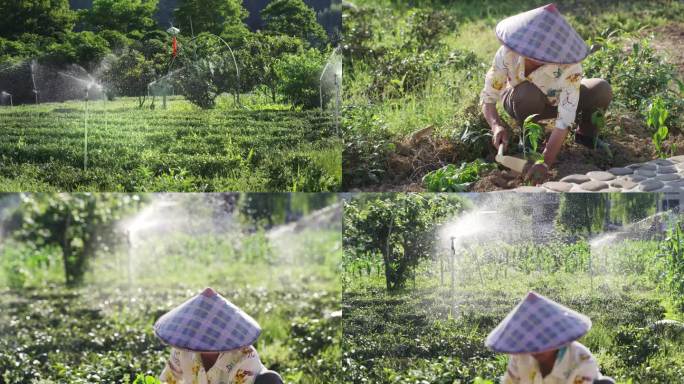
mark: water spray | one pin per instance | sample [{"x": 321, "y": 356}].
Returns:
[
  {"x": 337, "y": 82},
  {"x": 7, "y": 95},
  {"x": 33, "y": 80}
]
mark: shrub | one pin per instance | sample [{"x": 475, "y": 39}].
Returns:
[
  {"x": 637, "y": 75},
  {"x": 367, "y": 141},
  {"x": 299, "y": 75},
  {"x": 398, "y": 73}
]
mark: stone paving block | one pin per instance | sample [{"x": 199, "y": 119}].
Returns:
[
  {"x": 668, "y": 177},
  {"x": 668, "y": 169},
  {"x": 677, "y": 159},
  {"x": 647, "y": 166},
  {"x": 663, "y": 162},
  {"x": 620, "y": 171},
  {"x": 650, "y": 185},
  {"x": 576, "y": 178},
  {"x": 634, "y": 178},
  {"x": 645, "y": 172},
  {"x": 600, "y": 175},
  {"x": 624, "y": 184},
  {"x": 558, "y": 186},
  {"x": 594, "y": 186}
]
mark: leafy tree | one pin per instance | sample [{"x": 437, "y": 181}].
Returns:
[
  {"x": 582, "y": 213},
  {"x": 82, "y": 48},
  {"x": 121, "y": 15},
  {"x": 116, "y": 40},
  {"x": 298, "y": 77},
  {"x": 41, "y": 17},
  {"x": 293, "y": 18},
  {"x": 213, "y": 16},
  {"x": 129, "y": 75},
  {"x": 79, "y": 223},
  {"x": 258, "y": 56},
  {"x": 631, "y": 207},
  {"x": 398, "y": 227}
]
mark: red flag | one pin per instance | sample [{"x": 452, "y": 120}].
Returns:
[{"x": 174, "y": 47}]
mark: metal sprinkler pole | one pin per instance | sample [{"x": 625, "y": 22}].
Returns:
[
  {"x": 128, "y": 254},
  {"x": 453, "y": 264},
  {"x": 85, "y": 123},
  {"x": 337, "y": 104}
]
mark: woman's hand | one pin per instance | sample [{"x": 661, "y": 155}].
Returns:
[
  {"x": 499, "y": 136},
  {"x": 499, "y": 131},
  {"x": 537, "y": 173}
]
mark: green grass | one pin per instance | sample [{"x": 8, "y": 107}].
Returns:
[{"x": 179, "y": 149}]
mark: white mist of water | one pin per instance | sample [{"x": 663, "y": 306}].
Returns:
[
  {"x": 331, "y": 83},
  {"x": 601, "y": 256}
]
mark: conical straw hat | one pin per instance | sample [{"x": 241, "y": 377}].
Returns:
[
  {"x": 544, "y": 35},
  {"x": 537, "y": 324},
  {"x": 207, "y": 323}
]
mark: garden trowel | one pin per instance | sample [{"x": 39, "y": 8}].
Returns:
[{"x": 513, "y": 163}]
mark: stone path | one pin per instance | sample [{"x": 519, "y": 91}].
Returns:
[{"x": 661, "y": 175}]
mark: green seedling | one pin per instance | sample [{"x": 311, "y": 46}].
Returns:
[
  {"x": 452, "y": 179},
  {"x": 655, "y": 119},
  {"x": 533, "y": 131}
]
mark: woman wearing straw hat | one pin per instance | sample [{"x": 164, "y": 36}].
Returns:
[
  {"x": 537, "y": 70},
  {"x": 540, "y": 335},
  {"x": 211, "y": 343}
]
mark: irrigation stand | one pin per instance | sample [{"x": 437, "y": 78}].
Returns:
[
  {"x": 85, "y": 123},
  {"x": 453, "y": 265},
  {"x": 129, "y": 251}
]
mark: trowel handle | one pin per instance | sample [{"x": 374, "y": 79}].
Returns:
[{"x": 501, "y": 148}]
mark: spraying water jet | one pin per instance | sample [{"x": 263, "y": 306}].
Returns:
[{"x": 6, "y": 95}]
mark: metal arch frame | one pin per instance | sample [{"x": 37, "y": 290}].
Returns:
[{"x": 237, "y": 70}]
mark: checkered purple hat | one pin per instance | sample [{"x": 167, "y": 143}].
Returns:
[
  {"x": 537, "y": 324},
  {"x": 207, "y": 323},
  {"x": 544, "y": 35}
]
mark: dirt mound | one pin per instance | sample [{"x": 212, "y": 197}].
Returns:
[{"x": 420, "y": 153}]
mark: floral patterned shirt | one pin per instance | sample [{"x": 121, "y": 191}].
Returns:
[
  {"x": 238, "y": 366},
  {"x": 574, "y": 365},
  {"x": 559, "y": 82}
]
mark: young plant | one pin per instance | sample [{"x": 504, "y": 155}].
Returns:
[
  {"x": 452, "y": 179},
  {"x": 533, "y": 132},
  {"x": 655, "y": 119}
]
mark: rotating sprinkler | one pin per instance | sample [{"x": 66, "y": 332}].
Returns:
[{"x": 6, "y": 95}]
